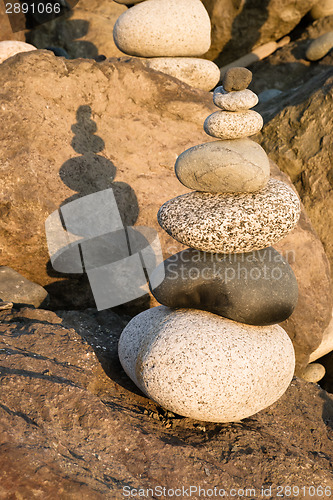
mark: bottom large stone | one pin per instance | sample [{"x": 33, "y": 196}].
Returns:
[{"x": 205, "y": 367}]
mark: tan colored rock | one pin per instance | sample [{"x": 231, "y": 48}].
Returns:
[
  {"x": 233, "y": 125},
  {"x": 320, "y": 47},
  {"x": 9, "y": 48},
  {"x": 314, "y": 372},
  {"x": 322, "y": 8},
  {"x": 326, "y": 344},
  {"x": 163, "y": 115},
  {"x": 6, "y": 31},
  {"x": 164, "y": 28},
  {"x": 239, "y": 26},
  {"x": 199, "y": 73}
]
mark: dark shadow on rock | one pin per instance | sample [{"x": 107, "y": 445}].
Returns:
[{"x": 245, "y": 22}]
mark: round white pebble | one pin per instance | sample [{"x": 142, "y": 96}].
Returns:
[{"x": 233, "y": 124}]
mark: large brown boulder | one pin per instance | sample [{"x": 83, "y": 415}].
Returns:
[
  {"x": 240, "y": 25},
  {"x": 298, "y": 135},
  {"x": 86, "y": 31},
  {"x": 73, "y": 425},
  {"x": 58, "y": 116}
]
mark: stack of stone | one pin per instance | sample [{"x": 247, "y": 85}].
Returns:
[
  {"x": 213, "y": 351},
  {"x": 170, "y": 35}
]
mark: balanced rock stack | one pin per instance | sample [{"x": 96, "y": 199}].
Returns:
[
  {"x": 170, "y": 35},
  {"x": 213, "y": 350}
]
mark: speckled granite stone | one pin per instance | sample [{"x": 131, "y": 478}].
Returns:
[
  {"x": 164, "y": 28},
  {"x": 234, "y": 101},
  {"x": 205, "y": 367},
  {"x": 199, "y": 73},
  {"x": 236, "y": 78},
  {"x": 233, "y": 124},
  {"x": 230, "y": 166},
  {"x": 256, "y": 288},
  {"x": 228, "y": 223},
  {"x": 9, "y": 48}
]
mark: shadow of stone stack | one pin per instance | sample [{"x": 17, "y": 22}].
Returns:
[
  {"x": 169, "y": 35},
  {"x": 214, "y": 351}
]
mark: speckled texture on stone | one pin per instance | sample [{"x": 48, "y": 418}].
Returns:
[
  {"x": 9, "y": 48},
  {"x": 319, "y": 47},
  {"x": 233, "y": 125},
  {"x": 240, "y": 100},
  {"x": 228, "y": 166},
  {"x": 314, "y": 372},
  {"x": 205, "y": 367},
  {"x": 256, "y": 288},
  {"x": 231, "y": 223},
  {"x": 199, "y": 73},
  {"x": 164, "y": 28},
  {"x": 236, "y": 79}
]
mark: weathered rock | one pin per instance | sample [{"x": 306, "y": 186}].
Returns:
[
  {"x": 326, "y": 344},
  {"x": 320, "y": 47},
  {"x": 238, "y": 26},
  {"x": 298, "y": 135},
  {"x": 72, "y": 421},
  {"x": 234, "y": 101},
  {"x": 322, "y": 8},
  {"x": 86, "y": 31},
  {"x": 206, "y": 367},
  {"x": 198, "y": 73},
  {"x": 9, "y": 48},
  {"x": 314, "y": 372},
  {"x": 233, "y": 125},
  {"x": 257, "y": 288},
  {"x": 231, "y": 223},
  {"x": 234, "y": 166},
  {"x": 236, "y": 79},
  {"x": 6, "y": 31},
  {"x": 163, "y": 28},
  {"x": 17, "y": 289}
]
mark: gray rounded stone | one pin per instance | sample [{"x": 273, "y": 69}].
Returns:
[
  {"x": 233, "y": 124},
  {"x": 9, "y": 48},
  {"x": 256, "y": 288},
  {"x": 320, "y": 47},
  {"x": 230, "y": 166},
  {"x": 231, "y": 223},
  {"x": 236, "y": 78},
  {"x": 240, "y": 100},
  {"x": 164, "y": 28},
  {"x": 205, "y": 367},
  {"x": 199, "y": 73}
]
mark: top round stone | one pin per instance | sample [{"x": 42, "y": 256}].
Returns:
[
  {"x": 236, "y": 79},
  {"x": 164, "y": 28}
]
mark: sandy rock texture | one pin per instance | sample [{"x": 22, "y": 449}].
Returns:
[
  {"x": 239, "y": 25},
  {"x": 73, "y": 424},
  {"x": 6, "y": 32}
]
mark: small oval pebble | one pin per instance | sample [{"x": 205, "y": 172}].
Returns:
[
  {"x": 9, "y": 48},
  {"x": 314, "y": 372},
  {"x": 206, "y": 367},
  {"x": 234, "y": 101},
  {"x": 233, "y": 125},
  {"x": 157, "y": 28},
  {"x": 236, "y": 79},
  {"x": 234, "y": 166},
  {"x": 256, "y": 288},
  {"x": 320, "y": 47},
  {"x": 231, "y": 223},
  {"x": 199, "y": 73}
]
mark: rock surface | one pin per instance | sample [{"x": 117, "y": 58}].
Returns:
[
  {"x": 238, "y": 26},
  {"x": 160, "y": 28},
  {"x": 233, "y": 125},
  {"x": 234, "y": 101},
  {"x": 320, "y": 47},
  {"x": 234, "y": 166},
  {"x": 228, "y": 223},
  {"x": 6, "y": 31},
  {"x": 86, "y": 31},
  {"x": 206, "y": 367},
  {"x": 236, "y": 79},
  {"x": 314, "y": 372},
  {"x": 257, "y": 288},
  {"x": 199, "y": 73},
  {"x": 9, "y": 48},
  {"x": 17, "y": 289},
  {"x": 73, "y": 424},
  {"x": 322, "y": 8}
]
